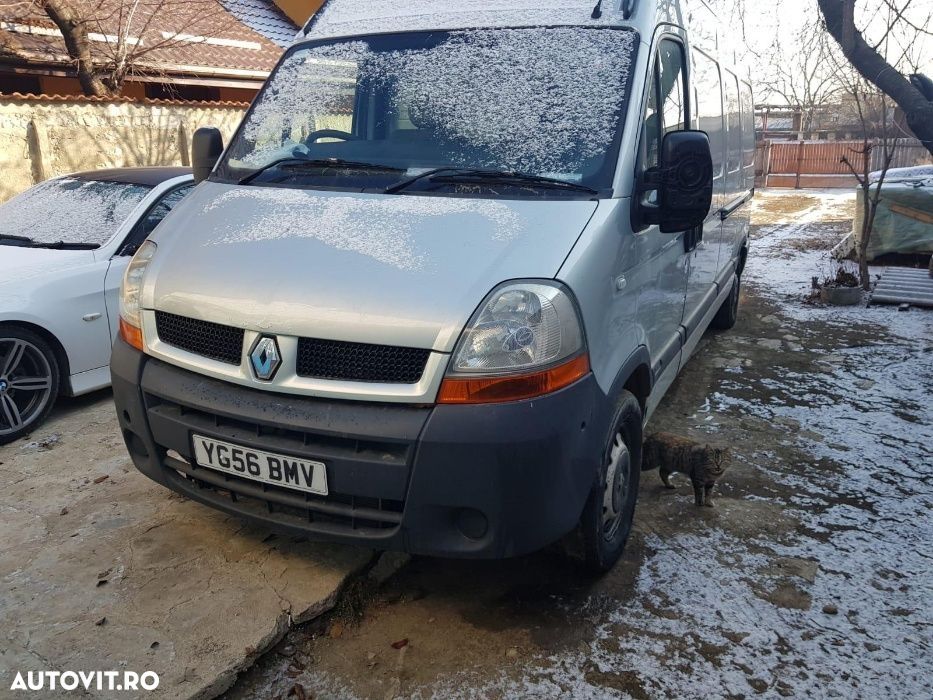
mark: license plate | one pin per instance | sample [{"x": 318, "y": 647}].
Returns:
[{"x": 268, "y": 467}]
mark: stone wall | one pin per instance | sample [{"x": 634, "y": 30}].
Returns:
[{"x": 42, "y": 137}]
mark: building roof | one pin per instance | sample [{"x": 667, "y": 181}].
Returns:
[
  {"x": 264, "y": 17},
  {"x": 149, "y": 177},
  {"x": 233, "y": 39},
  {"x": 209, "y": 104}
]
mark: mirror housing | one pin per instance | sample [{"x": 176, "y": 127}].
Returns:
[
  {"x": 684, "y": 182},
  {"x": 207, "y": 145}
]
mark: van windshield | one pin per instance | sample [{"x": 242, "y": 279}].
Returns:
[{"x": 369, "y": 113}]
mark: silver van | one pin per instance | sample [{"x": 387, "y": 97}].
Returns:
[{"x": 432, "y": 290}]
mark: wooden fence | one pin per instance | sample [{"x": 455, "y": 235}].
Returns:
[{"x": 820, "y": 163}]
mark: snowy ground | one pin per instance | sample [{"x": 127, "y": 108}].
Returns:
[{"x": 813, "y": 577}]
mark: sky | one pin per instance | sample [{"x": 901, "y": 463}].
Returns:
[{"x": 763, "y": 21}]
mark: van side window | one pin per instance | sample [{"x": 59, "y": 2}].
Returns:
[
  {"x": 748, "y": 125},
  {"x": 666, "y": 109},
  {"x": 708, "y": 87},
  {"x": 734, "y": 119}
]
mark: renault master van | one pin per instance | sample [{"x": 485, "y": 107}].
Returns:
[{"x": 430, "y": 293}]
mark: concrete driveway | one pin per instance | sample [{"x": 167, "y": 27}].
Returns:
[{"x": 103, "y": 570}]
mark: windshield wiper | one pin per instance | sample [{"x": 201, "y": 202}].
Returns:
[
  {"x": 25, "y": 240},
  {"x": 480, "y": 176},
  {"x": 64, "y": 245},
  {"x": 427, "y": 175},
  {"x": 294, "y": 161}
]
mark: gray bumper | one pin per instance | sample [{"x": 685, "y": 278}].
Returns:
[{"x": 485, "y": 481}]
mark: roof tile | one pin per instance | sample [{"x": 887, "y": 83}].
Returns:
[
  {"x": 229, "y": 20},
  {"x": 264, "y": 17},
  {"x": 19, "y": 97}
]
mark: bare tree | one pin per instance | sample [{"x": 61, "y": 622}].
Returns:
[
  {"x": 800, "y": 71},
  {"x": 871, "y": 187},
  {"x": 107, "y": 41},
  {"x": 875, "y": 113},
  {"x": 862, "y": 47}
]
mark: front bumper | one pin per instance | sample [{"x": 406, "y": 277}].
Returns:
[{"x": 487, "y": 481}]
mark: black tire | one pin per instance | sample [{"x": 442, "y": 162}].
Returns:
[
  {"x": 25, "y": 356},
  {"x": 728, "y": 313},
  {"x": 605, "y": 531}
]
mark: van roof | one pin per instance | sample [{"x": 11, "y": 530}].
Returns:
[{"x": 358, "y": 17}]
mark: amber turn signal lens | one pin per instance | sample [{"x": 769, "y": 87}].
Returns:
[
  {"x": 464, "y": 390},
  {"x": 131, "y": 334}
]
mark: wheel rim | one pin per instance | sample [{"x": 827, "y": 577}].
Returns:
[
  {"x": 25, "y": 384},
  {"x": 615, "y": 491}
]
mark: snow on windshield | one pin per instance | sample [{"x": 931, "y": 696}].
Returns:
[
  {"x": 544, "y": 101},
  {"x": 72, "y": 210},
  {"x": 309, "y": 91},
  {"x": 355, "y": 17}
]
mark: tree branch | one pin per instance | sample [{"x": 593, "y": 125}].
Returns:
[
  {"x": 840, "y": 23},
  {"x": 74, "y": 31}
]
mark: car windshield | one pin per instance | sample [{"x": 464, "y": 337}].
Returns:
[
  {"x": 546, "y": 102},
  {"x": 71, "y": 211}
]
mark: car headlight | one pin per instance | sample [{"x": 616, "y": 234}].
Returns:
[
  {"x": 130, "y": 321},
  {"x": 525, "y": 340}
]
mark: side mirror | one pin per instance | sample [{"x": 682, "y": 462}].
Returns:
[
  {"x": 207, "y": 145},
  {"x": 685, "y": 186}
]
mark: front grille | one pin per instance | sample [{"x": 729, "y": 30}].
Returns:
[
  {"x": 320, "y": 359},
  {"x": 360, "y": 362},
  {"x": 213, "y": 340}
]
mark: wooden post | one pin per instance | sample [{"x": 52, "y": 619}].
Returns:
[
  {"x": 37, "y": 140},
  {"x": 799, "y": 164},
  {"x": 184, "y": 146},
  {"x": 767, "y": 161}
]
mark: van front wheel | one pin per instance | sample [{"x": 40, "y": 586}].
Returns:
[
  {"x": 610, "y": 509},
  {"x": 728, "y": 313}
]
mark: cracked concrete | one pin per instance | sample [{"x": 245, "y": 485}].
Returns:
[{"x": 101, "y": 569}]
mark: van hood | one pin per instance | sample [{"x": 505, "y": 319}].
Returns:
[{"x": 388, "y": 269}]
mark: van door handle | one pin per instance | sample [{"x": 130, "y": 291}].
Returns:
[{"x": 734, "y": 205}]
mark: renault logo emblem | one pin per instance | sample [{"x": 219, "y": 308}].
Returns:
[{"x": 265, "y": 358}]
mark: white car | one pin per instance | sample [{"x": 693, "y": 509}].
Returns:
[{"x": 64, "y": 246}]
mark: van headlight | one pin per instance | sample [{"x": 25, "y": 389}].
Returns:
[
  {"x": 130, "y": 321},
  {"x": 525, "y": 340}
]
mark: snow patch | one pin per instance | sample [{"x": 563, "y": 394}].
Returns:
[
  {"x": 920, "y": 172},
  {"x": 71, "y": 210},
  {"x": 788, "y": 251},
  {"x": 355, "y": 17},
  {"x": 381, "y": 228}
]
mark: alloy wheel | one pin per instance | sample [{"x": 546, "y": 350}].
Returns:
[{"x": 25, "y": 384}]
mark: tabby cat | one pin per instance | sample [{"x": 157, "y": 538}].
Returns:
[{"x": 703, "y": 463}]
